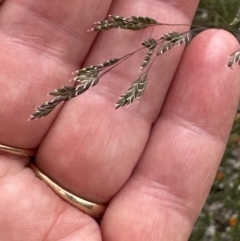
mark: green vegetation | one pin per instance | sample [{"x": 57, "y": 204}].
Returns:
[{"x": 217, "y": 12}]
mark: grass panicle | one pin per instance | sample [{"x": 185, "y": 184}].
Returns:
[{"x": 88, "y": 77}]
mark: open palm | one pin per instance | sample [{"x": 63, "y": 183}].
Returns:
[{"x": 153, "y": 162}]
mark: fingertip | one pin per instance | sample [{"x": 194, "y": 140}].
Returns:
[
  {"x": 205, "y": 91},
  {"x": 214, "y": 46}
]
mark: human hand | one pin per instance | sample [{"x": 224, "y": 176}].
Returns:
[{"x": 153, "y": 162}]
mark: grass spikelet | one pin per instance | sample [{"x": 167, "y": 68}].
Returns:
[{"x": 135, "y": 91}]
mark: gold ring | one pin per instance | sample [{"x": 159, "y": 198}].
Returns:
[
  {"x": 18, "y": 151},
  {"x": 92, "y": 209}
]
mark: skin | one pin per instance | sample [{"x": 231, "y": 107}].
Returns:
[{"x": 154, "y": 162}]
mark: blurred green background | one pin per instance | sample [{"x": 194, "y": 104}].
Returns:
[
  {"x": 217, "y": 12},
  {"x": 220, "y": 217}
]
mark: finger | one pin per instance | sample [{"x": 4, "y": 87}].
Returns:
[
  {"x": 42, "y": 42},
  {"x": 34, "y": 212},
  {"x": 96, "y": 148},
  {"x": 170, "y": 184}
]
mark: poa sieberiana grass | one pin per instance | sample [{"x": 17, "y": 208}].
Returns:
[{"x": 88, "y": 77}]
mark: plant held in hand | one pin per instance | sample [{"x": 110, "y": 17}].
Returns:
[{"x": 88, "y": 77}]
